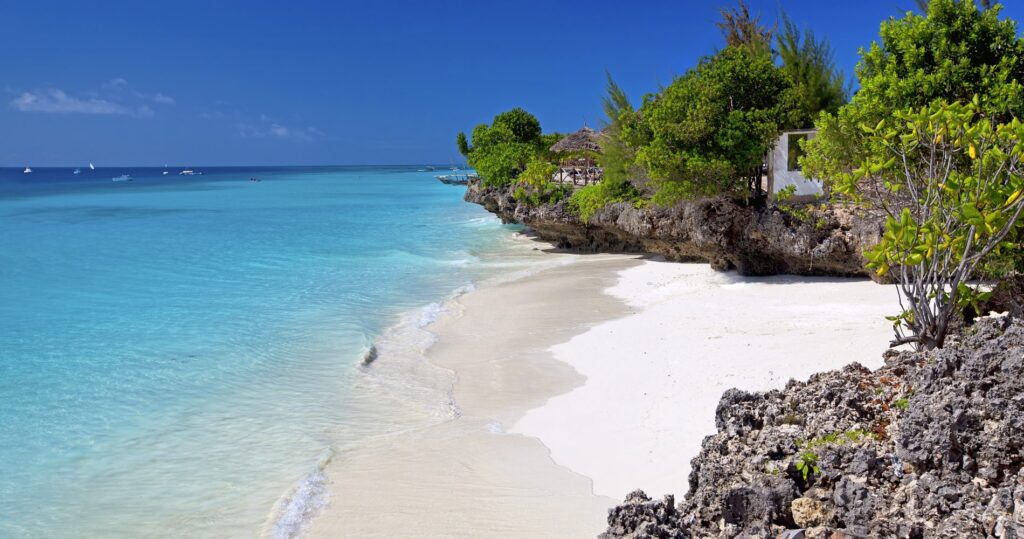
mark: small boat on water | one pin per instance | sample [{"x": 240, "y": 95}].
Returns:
[
  {"x": 77, "y": 172},
  {"x": 27, "y": 171},
  {"x": 122, "y": 178},
  {"x": 91, "y": 167},
  {"x": 166, "y": 173},
  {"x": 188, "y": 172},
  {"x": 455, "y": 179}
]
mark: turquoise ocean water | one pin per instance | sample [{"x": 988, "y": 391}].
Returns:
[{"x": 180, "y": 355}]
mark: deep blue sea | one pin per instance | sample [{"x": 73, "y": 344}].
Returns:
[{"x": 179, "y": 355}]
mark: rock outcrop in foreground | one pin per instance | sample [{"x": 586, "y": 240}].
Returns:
[
  {"x": 721, "y": 232},
  {"x": 930, "y": 445}
]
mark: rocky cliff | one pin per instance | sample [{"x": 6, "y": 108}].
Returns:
[
  {"x": 930, "y": 445},
  {"x": 721, "y": 232}
]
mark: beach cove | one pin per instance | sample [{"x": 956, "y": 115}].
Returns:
[{"x": 581, "y": 382}]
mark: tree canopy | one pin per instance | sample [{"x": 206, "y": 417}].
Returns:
[
  {"x": 952, "y": 52},
  {"x": 707, "y": 133},
  {"x": 809, "y": 63},
  {"x": 501, "y": 151}
]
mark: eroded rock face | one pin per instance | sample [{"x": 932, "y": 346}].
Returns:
[
  {"x": 721, "y": 232},
  {"x": 930, "y": 445}
]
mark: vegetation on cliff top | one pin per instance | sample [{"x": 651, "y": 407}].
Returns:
[{"x": 944, "y": 170}]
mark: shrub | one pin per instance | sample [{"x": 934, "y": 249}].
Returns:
[
  {"x": 588, "y": 199},
  {"x": 948, "y": 179},
  {"x": 534, "y": 185}
]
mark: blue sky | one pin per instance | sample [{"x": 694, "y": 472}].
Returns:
[{"x": 352, "y": 82}]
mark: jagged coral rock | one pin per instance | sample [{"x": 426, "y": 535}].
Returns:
[{"x": 721, "y": 232}]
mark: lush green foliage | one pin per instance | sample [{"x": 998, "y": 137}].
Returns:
[
  {"x": 809, "y": 62},
  {"x": 534, "y": 185},
  {"x": 948, "y": 176},
  {"x": 462, "y": 143},
  {"x": 585, "y": 201},
  {"x": 954, "y": 52},
  {"x": 708, "y": 132},
  {"x": 501, "y": 151}
]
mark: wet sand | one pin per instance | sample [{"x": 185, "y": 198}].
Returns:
[{"x": 468, "y": 477}]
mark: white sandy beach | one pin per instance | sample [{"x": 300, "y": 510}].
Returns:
[
  {"x": 585, "y": 381},
  {"x": 654, "y": 378}
]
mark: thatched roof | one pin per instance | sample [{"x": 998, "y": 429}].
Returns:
[{"x": 584, "y": 140}]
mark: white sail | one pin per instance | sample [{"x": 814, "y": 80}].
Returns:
[{"x": 91, "y": 167}]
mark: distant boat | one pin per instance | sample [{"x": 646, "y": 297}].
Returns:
[
  {"x": 456, "y": 179},
  {"x": 166, "y": 173},
  {"x": 27, "y": 171},
  {"x": 91, "y": 167},
  {"x": 187, "y": 173},
  {"x": 122, "y": 178},
  {"x": 77, "y": 171}
]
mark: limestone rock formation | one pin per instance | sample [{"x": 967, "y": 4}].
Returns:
[{"x": 724, "y": 233}]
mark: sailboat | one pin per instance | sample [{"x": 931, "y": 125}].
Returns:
[
  {"x": 165, "y": 170},
  {"x": 91, "y": 167},
  {"x": 27, "y": 171},
  {"x": 77, "y": 172}
]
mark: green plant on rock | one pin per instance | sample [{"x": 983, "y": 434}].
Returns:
[
  {"x": 807, "y": 459},
  {"x": 949, "y": 180},
  {"x": 585, "y": 201},
  {"x": 807, "y": 463}
]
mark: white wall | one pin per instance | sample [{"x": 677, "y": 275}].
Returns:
[{"x": 782, "y": 176}]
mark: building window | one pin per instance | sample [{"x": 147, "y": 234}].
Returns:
[{"x": 794, "y": 150}]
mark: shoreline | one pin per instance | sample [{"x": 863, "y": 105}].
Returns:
[
  {"x": 466, "y": 474},
  {"x": 566, "y": 393}
]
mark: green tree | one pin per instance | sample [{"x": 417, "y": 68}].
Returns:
[
  {"x": 707, "y": 133},
  {"x": 740, "y": 29},
  {"x": 524, "y": 126},
  {"x": 501, "y": 151},
  {"x": 952, "y": 181},
  {"x": 809, "y": 62},
  {"x": 953, "y": 52}
]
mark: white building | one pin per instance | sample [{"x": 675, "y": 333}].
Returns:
[{"x": 784, "y": 167}]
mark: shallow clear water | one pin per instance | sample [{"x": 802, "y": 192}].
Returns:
[{"x": 178, "y": 355}]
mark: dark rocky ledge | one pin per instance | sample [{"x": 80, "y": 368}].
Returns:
[
  {"x": 721, "y": 232},
  {"x": 930, "y": 445}
]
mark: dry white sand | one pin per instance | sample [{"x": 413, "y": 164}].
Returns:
[{"x": 654, "y": 378}]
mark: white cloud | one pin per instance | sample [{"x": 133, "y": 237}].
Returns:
[
  {"x": 57, "y": 101},
  {"x": 116, "y": 97},
  {"x": 271, "y": 129},
  {"x": 115, "y": 83}
]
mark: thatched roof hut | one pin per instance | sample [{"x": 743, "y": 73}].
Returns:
[{"x": 584, "y": 140}]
